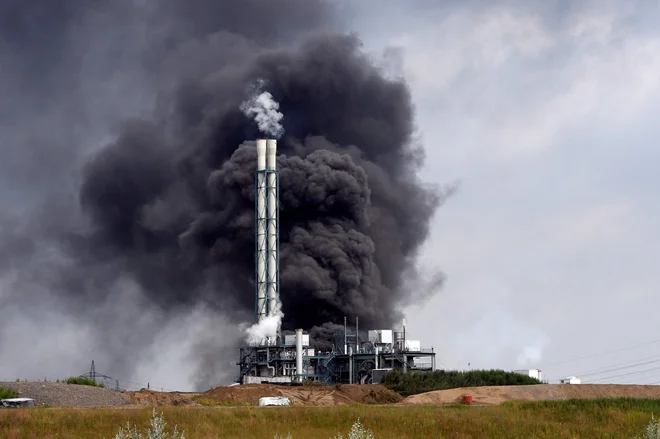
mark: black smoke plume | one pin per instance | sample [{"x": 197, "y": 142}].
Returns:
[
  {"x": 168, "y": 206},
  {"x": 352, "y": 212}
]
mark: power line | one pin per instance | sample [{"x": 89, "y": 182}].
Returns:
[
  {"x": 639, "y": 372},
  {"x": 604, "y": 353},
  {"x": 620, "y": 366}
]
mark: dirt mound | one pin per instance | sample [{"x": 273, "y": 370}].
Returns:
[
  {"x": 68, "y": 395},
  {"x": 369, "y": 394},
  {"x": 540, "y": 392},
  {"x": 303, "y": 395},
  {"x": 146, "y": 397}
]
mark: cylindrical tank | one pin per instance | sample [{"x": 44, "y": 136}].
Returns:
[
  {"x": 467, "y": 399},
  {"x": 398, "y": 340}
]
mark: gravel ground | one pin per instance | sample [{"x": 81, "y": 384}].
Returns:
[{"x": 68, "y": 395}]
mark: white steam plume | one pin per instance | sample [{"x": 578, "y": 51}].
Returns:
[
  {"x": 266, "y": 328},
  {"x": 264, "y": 110}
]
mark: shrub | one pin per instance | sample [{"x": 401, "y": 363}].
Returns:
[
  {"x": 6, "y": 393},
  {"x": 83, "y": 381},
  {"x": 357, "y": 431},
  {"x": 157, "y": 430},
  {"x": 413, "y": 383},
  {"x": 652, "y": 430}
]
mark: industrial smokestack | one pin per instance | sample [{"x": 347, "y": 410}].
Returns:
[
  {"x": 261, "y": 231},
  {"x": 273, "y": 241},
  {"x": 299, "y": 354}
]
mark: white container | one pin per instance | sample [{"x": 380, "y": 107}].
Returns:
[
  {"x": 17, "y": 402},
  {"x": 274, "y": 400}
]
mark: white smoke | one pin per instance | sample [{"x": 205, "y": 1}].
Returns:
[
  {"x": 264, "y": 110},
  {"x": 266, "y": 329},
  {"x": 530, "y": 355}
]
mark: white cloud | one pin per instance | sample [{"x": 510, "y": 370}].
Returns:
[
  {"x": 550, "y": 123},
  {"x": 591, "y": 228}
]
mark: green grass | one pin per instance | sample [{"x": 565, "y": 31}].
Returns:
[
  {"x": 83, "y": 381},
  {"x": 413, "y": 383},
  {"x": 588, "y": 419},
  {"x": 6, "y": 393}
]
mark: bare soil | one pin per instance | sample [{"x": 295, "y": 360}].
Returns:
[
  {"x": 75, "y": 395},
  {"x": 149, "y": 398},
  {"x": 539, "y": 392},
  {"x": 303, "y": 395},
  {"x": 67, "y": 395}
]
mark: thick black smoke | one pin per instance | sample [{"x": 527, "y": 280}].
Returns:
[
  {"x": 167, "y": 208},
  {"x": 352, "y": 211}
]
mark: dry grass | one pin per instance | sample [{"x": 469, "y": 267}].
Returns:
[{"x": 558, "y": 419}]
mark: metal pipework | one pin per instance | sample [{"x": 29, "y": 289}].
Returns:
[
  {"x": 273, "y": 272},
  {"x": 261, "y": 231},
  {"x": 299, "y": 355}
]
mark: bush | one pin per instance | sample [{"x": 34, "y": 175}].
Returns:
[
  {"x": 157, "y": 430},
  {"x": 6, "y": 393},
  {"x": 652, "y": 430},
  {"x": 413, "y": 383},
  {"x": 358, "y": 431},
  {"x": 83, "y": 381}
]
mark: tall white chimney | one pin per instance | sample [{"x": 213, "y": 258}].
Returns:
[
  {"x": 271, "y": 165},
  {"x": 261, "y": 231},
  {"x": 299, "y": 354}
]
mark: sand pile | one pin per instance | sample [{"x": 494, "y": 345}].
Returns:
[
  {"x": 304, "y": 395},
  {"x": 540, "y": 392},
  {"x": 146, "y": 397}
]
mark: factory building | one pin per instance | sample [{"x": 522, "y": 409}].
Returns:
[{"x": 356, "y": 357}]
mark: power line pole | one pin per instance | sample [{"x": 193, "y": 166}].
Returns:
[{"x": 92, "y": 372}]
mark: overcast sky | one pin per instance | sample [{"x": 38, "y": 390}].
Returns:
[{"x": 546, "y": 115}]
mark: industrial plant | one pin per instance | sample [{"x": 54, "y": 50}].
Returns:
[{"x": 290, "y": 359}]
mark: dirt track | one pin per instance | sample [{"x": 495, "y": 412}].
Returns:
[{"x": 539, "y": 392}]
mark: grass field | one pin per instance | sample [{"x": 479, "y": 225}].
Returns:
[{"x": 560, "y": 419}]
